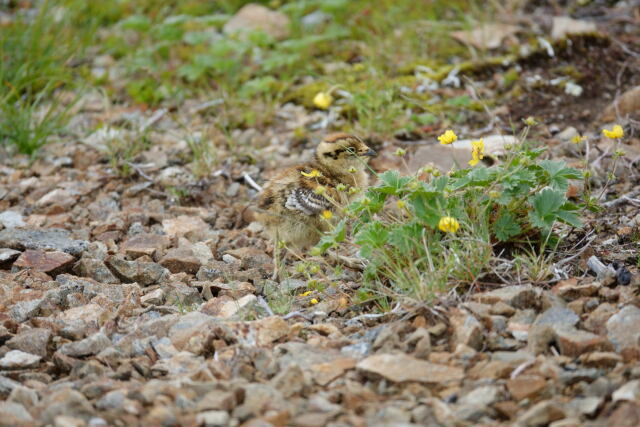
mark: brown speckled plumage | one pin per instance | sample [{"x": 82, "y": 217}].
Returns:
[{"x": 289, "y": 206}]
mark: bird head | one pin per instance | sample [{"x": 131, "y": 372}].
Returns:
[{"x": 340, "y": 152}]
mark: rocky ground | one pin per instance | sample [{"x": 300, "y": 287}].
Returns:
[
  {"x": 140, "y": 292},
  {"x": 121, "y": 307}
]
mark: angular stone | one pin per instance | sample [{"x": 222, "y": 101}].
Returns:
[
  {"x": 502, "y": 309},
  {"x": 202, "y": 252},
  {"x": 557, "y": 316},
  {"x": 16, "y": 359},
  {"x": 47, "y": 262},
  {"x": 324, "y": 373},
  {"x": 182, "y": 363},
  {"x": 213, "y": 418},
  {"x": 8, "y": 255},
  {"x": 542, "y": 413},
  {"x": 217, "y": 400},
  {"x": 25, "y": 310},
  {"x": 573, "y": 342},
  {"x": 254, "y": 17},
  {"x": 189, "y": 325},
  {"x": 596, "y": 321},
  {"x": 11, "y": 219},
  {"x": 291, "y": 380},
  {"x": 507, "y": 408},
  {"x": 251, "y": 257},
  {"x": 181, "y": 260},
  {"x": 622, "y": 328},
  {"x": 601, "y": 359},
  {"x": 65, "y": 402},
  {"x": 627, "y": 414},
  {"x": 88, "y": 314},
  {"x": 401, "y": 368},
  {"x": 526, "y": 386},
  {"x": 183, "y": 225},
  {"x": 144, "y": 273},
  {"x": 569, "y": 290},
  {"x": 226, "y": 306},
  {"x": 145, "y": 244},
  {"x": 33, "y": 341},
  {"x": 476, "y": 403},
  {"x": 58, "y": 197},
  {"x": 154, "y": 298},
  {"x": 467, "y": 330},
  {"x": 629, "y": 391},
  {"x": 49, "y": 239},
  {"x": 93, "y": 344},
  {"x": 12, "y": 412},
  {"x": 95, "y": 269},
  {"x": 67, "y": 421},
  {"x": 25, "y": 396},
  {"x": 517, "y": 296}
]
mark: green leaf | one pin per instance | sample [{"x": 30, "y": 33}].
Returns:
[
  {"x": 570, "y": 218},
  {"x": 550, "y": 206},
  {"x": 332, "y": 238},
  {"x": 428, "y": 207},
  {"x": 370, "y": 237},
  {"x": 506, "y": 227},
  {"x": 373, "y": 234},
  {"x": 406, "y": 237},
  {"x": 392, "y": 183},
  {"x": 558, "y": 174}
]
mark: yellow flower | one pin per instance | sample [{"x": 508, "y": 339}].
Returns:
[
  {"x": 313, "y": 301},
  {"x": 447, "y": 137},
  {"x": 313, "y": 174},
  {"x": 530, "y": 121},
  {"x": 578, "y": 139},
  {"x": 306, "y": 294},
  {"x": 319, "y": 190},
  {"x": 400, "y": 152},
  {"x": 352, "y": 170},
  {"x": 477, "y": 152},
  {"x": 353, "y": 190},
  {"x": 401, "y": 204},
  {"x": 616, "y": 133},
  {"x": 322, "y": 100},
  {"x": 327, "y": 214},
  {"x": 448, "y": 224},
  {"x": 341, "y": 187}
]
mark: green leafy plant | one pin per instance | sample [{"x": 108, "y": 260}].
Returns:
[{"x": 421, "y": 236}]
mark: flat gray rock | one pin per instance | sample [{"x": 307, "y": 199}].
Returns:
[{"x": 51, "y": 239}]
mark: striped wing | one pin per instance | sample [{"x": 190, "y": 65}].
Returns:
[{"x": 306, "y": 201}]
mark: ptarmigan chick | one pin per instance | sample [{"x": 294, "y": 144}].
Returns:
[{"x": 292, "y": 204}]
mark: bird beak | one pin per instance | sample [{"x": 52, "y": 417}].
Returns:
[{"x": 370, "y": 153}]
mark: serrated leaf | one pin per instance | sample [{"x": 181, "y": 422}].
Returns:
[
  {"x": 506, "y": 227},
  {"x": 559, "y": 174},
  {"x": 392, "y": 183},
  {"x": 547, "y": 201},
  {"x": 373, "y": 234},
  {"x": 405, "y": 237},
  {"x": 551, "y": 205},
  {"x": 428, "y": 207}
]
